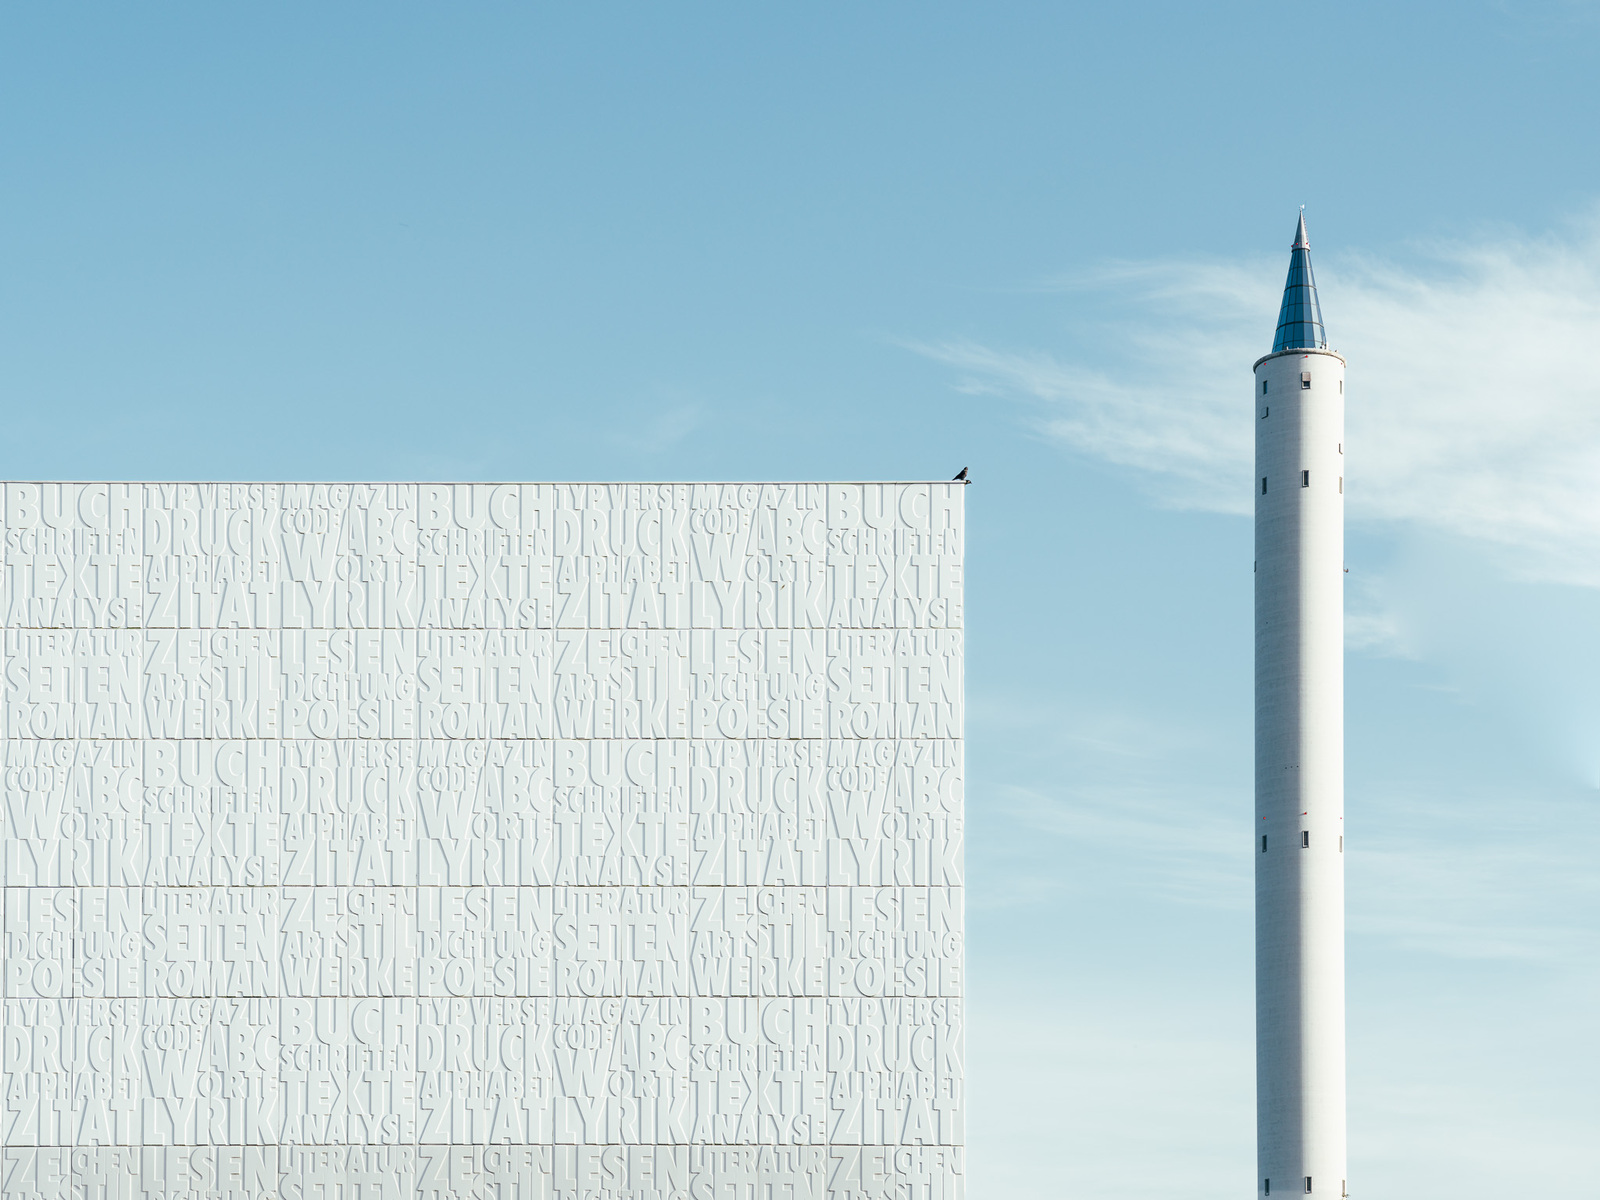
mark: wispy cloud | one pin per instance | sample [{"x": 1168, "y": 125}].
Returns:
[
  {"x": 1113, "y": 778},
  {"x": 1474, "y": 398},
  {"x": 662, "y": 431},
  {"x": 1167, "y": 405},
  {"x": 1464, "y": 875},
  {"x": 1512, "y": 896}
]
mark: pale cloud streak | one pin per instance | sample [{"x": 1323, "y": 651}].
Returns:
[
  {"x": 1474, "y": 394},
  {"x": 661, "y": 431}
]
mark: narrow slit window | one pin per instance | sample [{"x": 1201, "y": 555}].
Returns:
[
  {"x": 1305, "y": 381},
  {"x": 1305, "y": 478},
  {"x": 1308, "y": 1185},
  {"x": 1341, "y": 387},
  {"x": 1341, "y": 447},
  {"x": 1264, "y": 411},
  {"x": 1305, "y": 839},
  {"x": 1263, "y": 387},
  {"x": 1263, "y": 485},
  {"x": 1263, "y": 843},
  {"x": 1341, "y": 485},
  {"x": 1268, "y": 1186},
  {"x": 1341, "y": 843}
]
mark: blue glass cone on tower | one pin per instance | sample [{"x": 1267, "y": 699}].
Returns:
[{"x": 1300, "y": 318}]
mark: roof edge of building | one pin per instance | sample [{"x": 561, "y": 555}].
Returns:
[{"x": 1299, "y": 350}]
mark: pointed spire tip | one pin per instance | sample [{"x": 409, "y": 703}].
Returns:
[{"x": 1300, "y": 319}]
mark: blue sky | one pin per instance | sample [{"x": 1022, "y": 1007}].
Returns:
[{"x": 1042, "y": 241}]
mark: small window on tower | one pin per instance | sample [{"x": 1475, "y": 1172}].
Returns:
[
  {"x": 1341, "y": 447},
  {"x": 1308, "y": 1185},
  {"x": 1263, "y": 485},
  {"x": 1263, "y": 843},
  {"x": 1305, "y": 478},
  {"x": 1264, "y": 411},
  {"x": 1341, "y": 387},
  {"x": 1341, "y": 485},
  {"x": 1305, "y": 839},
  {"x": 1341, "y": 843},
  {"x": 1305, "y": 381},
  {"x": 1268, "y": 1186},
  {"x": 1263, "y": 387}
]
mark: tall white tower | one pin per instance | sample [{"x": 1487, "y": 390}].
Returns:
[{"x": 1299, "y": 827}]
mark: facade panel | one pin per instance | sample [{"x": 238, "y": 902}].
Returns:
[{"x": 482, "y": 840}]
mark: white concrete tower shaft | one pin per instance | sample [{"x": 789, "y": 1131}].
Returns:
[{"x": 1299, "y": 826}]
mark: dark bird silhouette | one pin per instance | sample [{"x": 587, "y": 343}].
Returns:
[{"x": 962, "y": 477}]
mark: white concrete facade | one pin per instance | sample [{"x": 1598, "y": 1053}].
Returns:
[
  {"x": 524, "y": 841},
  {"x": 1299, "y": 810}
]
